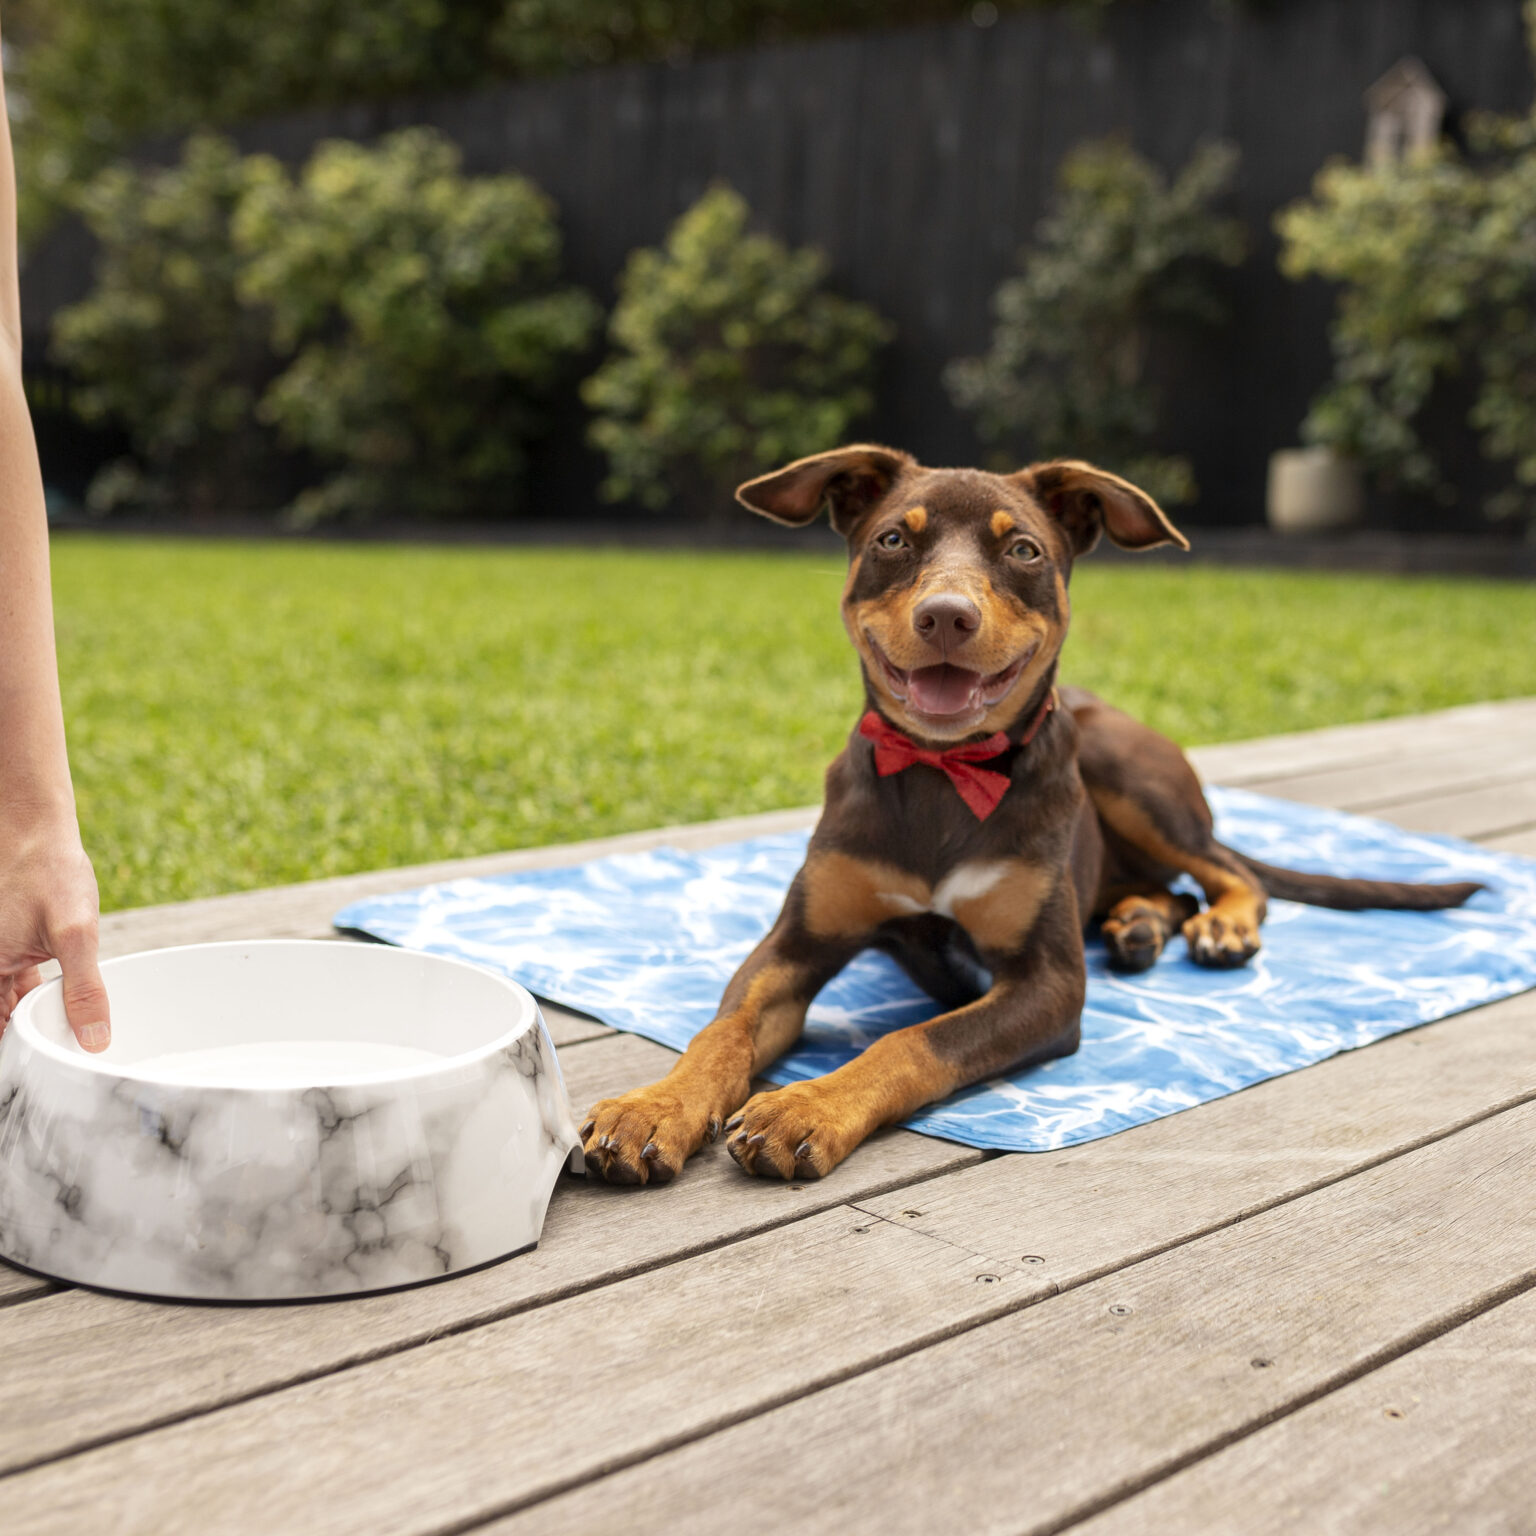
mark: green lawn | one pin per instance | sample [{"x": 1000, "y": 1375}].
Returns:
[{"x": 242, "y": 715}]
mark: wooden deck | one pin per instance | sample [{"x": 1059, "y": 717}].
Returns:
[{"x": 1307, "y": 1307}]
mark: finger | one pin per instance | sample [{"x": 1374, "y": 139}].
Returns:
[
  {"x": 85, "y": 994},
  {"x": 26, "y": 980}
]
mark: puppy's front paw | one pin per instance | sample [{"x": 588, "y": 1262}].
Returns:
[
  {"x": 645, "y": 1136},
  {"x": 1220, "y": 942},
  {"x": 797, "y": 1132}
]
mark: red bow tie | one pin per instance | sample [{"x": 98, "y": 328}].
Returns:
[{"x": 980, "y": 788}]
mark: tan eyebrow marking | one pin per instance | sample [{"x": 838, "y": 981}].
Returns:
[
  {"x": 916, "y": 518},
  {"x": 1002, "y": 524}
]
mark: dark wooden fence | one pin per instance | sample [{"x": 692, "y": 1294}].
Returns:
[{"x": 920, "y": 160}]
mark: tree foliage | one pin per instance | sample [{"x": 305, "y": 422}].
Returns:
[
  {"x": 729, "y": 356},
  {"x": 420, "y": 319},
  {"x": 540, "y": 36},
  {"x": 163, "y": 344},
  {"x": 170, "y": 66},
  {"x": 1435, "y": 258},
  {"x": 94, "y": 76},
  {"x": 1121, "y": 256},
  {"x": 395, "y": 324}
]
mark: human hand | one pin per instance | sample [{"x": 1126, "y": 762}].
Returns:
[{"x": 48, "y": 911}]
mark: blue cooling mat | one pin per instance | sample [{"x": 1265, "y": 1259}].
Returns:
[{"x": 646, "y": 942}]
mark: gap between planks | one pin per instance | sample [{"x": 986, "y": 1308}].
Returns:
[
  {"x": 1032, "y": 1283},
  {"x": 1437, "y": 1440},
  {"x": 1102, "y": 1392},
  {"x": 85, "y": 1367},
  {"x": 599, "y": 1028},
  {"x": 493, "y": 1412}
]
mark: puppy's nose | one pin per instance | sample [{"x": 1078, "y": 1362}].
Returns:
[{"x": 946, "y": 618}]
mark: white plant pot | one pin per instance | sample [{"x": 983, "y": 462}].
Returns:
[{"x": 1312, "y": 490}]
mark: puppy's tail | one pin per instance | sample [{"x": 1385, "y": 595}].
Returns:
[{"x": 1356, "y": 895}]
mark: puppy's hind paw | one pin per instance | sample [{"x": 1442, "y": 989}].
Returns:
[
  {"x": 1220, "y": 943},
  {"x": 1138, "y": 928}
]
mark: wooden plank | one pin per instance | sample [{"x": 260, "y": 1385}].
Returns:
[
  {"x": 517, "y": 1404},
  {"x": 1516, "y": 842},
  {"x": 567, "y": 1027},
  {"x": 1086, "y": 1210},
  {"x": 1374, "y": 741},
  {"x": 1082, "y": 1211},
  {"x": 1490, "y": 812},
  {"x": 1376, "y": 786},
  {"x": 16, "y": 1286},
  {"x": 67, "y": 1386},
  {"x": 1031, "y": 1422},
  {"x": 305, "y": 911},
  {"x": 88, "y": 1366},
  {"x": 1439, "y": 1440}
]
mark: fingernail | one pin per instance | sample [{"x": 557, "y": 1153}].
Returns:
[{"x": 96, "y": 1037}]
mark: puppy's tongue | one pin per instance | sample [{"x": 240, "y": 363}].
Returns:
[{"x": 941, "y": 690}]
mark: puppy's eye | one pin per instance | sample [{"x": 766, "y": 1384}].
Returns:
[
  {"x": 1025, "y": 549},
  {"x": 891, "y": 539}
]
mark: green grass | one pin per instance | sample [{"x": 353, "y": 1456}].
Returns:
[{"x": 244, "y": 715}]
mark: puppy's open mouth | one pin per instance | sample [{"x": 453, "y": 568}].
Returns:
[{"x": 945, "y": 690}]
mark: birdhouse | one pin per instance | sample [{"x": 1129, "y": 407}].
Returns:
[{"x": 1404, "y": 113}]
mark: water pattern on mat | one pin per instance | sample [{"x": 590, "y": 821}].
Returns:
[{"x": 646, "y": 942}]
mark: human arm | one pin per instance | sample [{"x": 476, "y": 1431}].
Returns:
[{"x": 48, "y": 900}]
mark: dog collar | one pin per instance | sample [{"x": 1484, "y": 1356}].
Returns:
[{"x": 981, "y": 788}]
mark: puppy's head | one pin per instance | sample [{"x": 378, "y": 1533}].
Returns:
[{"x": 956, "y": 598}]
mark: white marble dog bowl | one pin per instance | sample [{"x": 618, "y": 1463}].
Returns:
[{"x": 279, "y": 1120}]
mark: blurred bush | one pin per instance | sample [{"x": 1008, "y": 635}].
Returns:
[
  {"x": 94, "y": 76},
  {"x": 392, "y": 324},
  {"x": 729, "y": 357},
  {"x": 164, "y": 343},
  {"x": 1121, "y": 256},
  {"x": 1436, "y": 263},
  {"x": 542, "y": 36},
  {"x": 177, "y": 65},
  {"x": 419, "y": 313}
]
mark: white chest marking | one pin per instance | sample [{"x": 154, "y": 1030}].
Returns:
[{"x": 965, "y": 883}]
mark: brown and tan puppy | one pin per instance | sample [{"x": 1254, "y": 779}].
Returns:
[{"x": 975, "y": 870}]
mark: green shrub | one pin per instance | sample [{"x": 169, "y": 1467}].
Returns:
[
  {"x": 177, "y": 65},
  {"x": 539, "y": 36},
  {"x": 1121, "y": 256},
  {"x": 382, "y": 320},
  {"x": 421, "y": 314},
  {"x": 163, "y": 344},
  {"x": 173, "y": 65},
  {"x": 729, "y": 356},
  {"x": 1437, "y": 274}
]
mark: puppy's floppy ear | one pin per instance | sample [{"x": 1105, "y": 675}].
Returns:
[
  {"x": 848, "y": 481},
  {"x": 1086, "y": 501}
]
